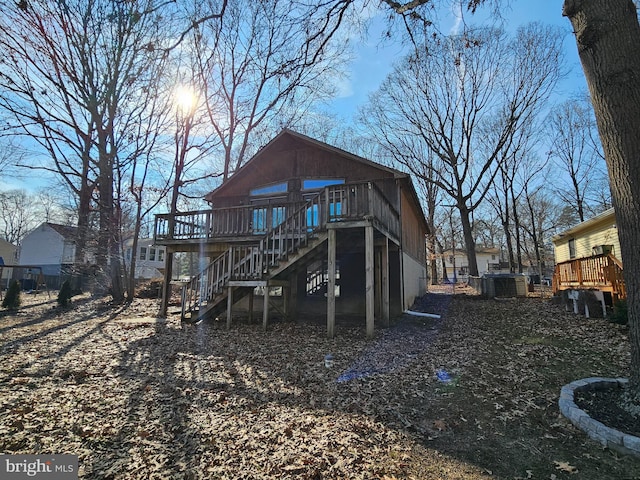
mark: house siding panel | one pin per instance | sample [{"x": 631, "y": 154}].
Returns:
[
  {"x": 413, "y": 235},
  {"x": 414, "y": 281},
  {"x": 43, "y": 246},
  {"x": 602, "y": 232},
  {"x": 292, "y": 161}
]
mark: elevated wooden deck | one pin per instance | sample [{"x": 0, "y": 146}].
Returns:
[
  {"x": 264, "y": 241},
  {"x": 248, "y": 223},
  {"x": 598, "y": 272}
]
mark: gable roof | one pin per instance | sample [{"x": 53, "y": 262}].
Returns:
[
  {"x": 247, "y": 167},
  {"x": 66, "y": 231},
  {"x": 606, "y": 216},
  {"x": 4, "y": 243},
  {"x": 256, "y": 159}
]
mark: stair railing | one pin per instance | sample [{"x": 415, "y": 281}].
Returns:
[{"x": 252, "y": 262}]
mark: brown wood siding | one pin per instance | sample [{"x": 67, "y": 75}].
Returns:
[
  {"x": 413, "y": 233},
  {"x": 294, "y": 161}
]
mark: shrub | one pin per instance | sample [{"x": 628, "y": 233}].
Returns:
[
  {"x": 12, "y": 298},
  {"x": 619, "y": 314},
  {"x": 65, "y": 294}
]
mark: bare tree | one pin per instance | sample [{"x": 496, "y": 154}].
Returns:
[
  {"x": 10, "y": 156},
  {"x": 447, "y": 94},
  {"x": 608, "y": 38},
  {"x": 607, "y": 34},
  {"x": 77, "y": 80},
  {"x": 20, "y": 212},
  {"x": 575, "y": 151},
  {"x": 17, "y": 216},
  {"x": 263, "y": 66}
]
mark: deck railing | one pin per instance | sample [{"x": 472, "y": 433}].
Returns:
[
  {"x": 203, "y": 225},
  {"x": 341, "y": 202},
  {"x": 603, "y": 272},
  {"x": 253, "y": 262}
]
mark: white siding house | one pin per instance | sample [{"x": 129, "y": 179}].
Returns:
[
  {"x": 50, "y": 246},
  {"x": 488, "y": 260},
  {"x": 150, "y": 258}
]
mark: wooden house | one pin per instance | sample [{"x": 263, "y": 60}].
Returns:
[
  {"x": 588, "y": 257},
  {"x": 325, "y": 231}
]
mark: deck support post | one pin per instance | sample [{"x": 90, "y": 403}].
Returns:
[
  {"x": 285, "y": 302},
  {"x": 229, "y": 304},
  {"x": 369, "y": 281},
  {"x": 331, "y": 284},
  {"x": 265, "y": 307},
  {"x": 385, "y": 282},
  {"x": 166, "y": 285},
  {"x": 251, "y": 295},
  {"x": 293, "y": 296}
]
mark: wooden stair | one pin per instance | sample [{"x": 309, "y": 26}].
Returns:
[{"x": 243, "y": 267}]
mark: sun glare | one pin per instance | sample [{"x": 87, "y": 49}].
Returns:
[{"x": 185, "y": 98}]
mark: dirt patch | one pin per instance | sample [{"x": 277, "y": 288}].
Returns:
[
  {"x": 146, "y": 399},
  {"x": 605, "y": 406}
]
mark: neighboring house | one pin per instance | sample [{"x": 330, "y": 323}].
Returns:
[
  {"x": 588, "y": 257},
  {"x": 8, "y": 253},
  {"x": 591, "y": 237},
  {"x": 488, "y": 260},
  {"x": 326, "y": 231},
  {"x": 50, "y": 246},
  {"x": 150, "y": 258}
]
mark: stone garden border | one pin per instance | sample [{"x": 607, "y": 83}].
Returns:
[{"x": 608, "y": 437}]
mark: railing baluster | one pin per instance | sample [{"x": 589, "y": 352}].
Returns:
[{"x": 301, "y": 221}]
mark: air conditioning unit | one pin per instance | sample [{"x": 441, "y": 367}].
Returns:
[
  {"x": 602, "y": 250},
  {"x": 504, "y": 285}
]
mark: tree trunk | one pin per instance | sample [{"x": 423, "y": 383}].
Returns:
[
  {"x": 445, "y": 275},
  {"x": 469, "y": 243},
  {"x": 432, "y": 261},
  {"x": 516, "y": 228},
  {"x": 608, "y": 39}
]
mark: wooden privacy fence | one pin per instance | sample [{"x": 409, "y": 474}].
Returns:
[{"x": 599, "y": 272}]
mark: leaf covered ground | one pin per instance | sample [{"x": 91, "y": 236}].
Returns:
[{"x": 138, "y": 397}]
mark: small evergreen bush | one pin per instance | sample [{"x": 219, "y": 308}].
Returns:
[
  {"x": 12, "y": 298},
  {"x": 619, "y": 315},
  {"x": 65, "y": 294}
]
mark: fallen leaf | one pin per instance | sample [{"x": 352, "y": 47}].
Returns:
[
  {"x": 440, "y": 425},
  {"x": 565, "y": 467}
]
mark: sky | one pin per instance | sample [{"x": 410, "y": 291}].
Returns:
[{"x": 374, "y": 59}]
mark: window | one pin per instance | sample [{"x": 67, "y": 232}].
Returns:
[
  {"x": 572, "y": 248},
  {"x": 152, "y": 254},
  {"x": 259, "y": 220},
  {"x": 127, "y": 254},
  {"x": 269, "y": 189},
  {"x": 160, "y": 255},
  {"x": 277, "y": 216},
  {"x": 143, "y": 253},
  {"x": 318, "y": 183},
  {"x": 313, "y": 216},
  {"x": 335, "y": 209}
]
